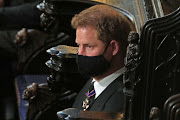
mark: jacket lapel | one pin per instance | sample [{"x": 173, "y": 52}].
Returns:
[
  {"x": 106, "y": 94},
  {"x": 81, "y": 96}
]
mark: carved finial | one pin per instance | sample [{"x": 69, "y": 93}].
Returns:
[
  {"x": 31, "y": 92},
  {"x": 133, "y": 47},
  {"x": 133, "y": 37}
]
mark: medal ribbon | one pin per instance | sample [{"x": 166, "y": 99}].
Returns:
[{"x": 89, "y": 94}]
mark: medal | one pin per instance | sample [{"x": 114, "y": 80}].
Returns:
[
  {"x": 89, "y": 98},
  {"x": 85, "y": 104}
]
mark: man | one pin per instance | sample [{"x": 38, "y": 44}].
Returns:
[{"x": 101, "y": 34}]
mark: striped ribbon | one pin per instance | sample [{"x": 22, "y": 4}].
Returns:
[{"x": 89, "y": 94}]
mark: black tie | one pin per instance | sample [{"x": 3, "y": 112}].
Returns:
[{"x": 90, "y": 95}]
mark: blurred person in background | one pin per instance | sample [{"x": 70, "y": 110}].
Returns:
[{"x": 12, "y": 13}]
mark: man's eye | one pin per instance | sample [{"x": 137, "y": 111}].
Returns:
[{"x": 89, "y": 46}]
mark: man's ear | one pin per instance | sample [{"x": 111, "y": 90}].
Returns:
[{"x": 115, "y": 47}]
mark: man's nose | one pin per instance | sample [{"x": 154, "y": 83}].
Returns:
[{"x": 80, "y": 51}]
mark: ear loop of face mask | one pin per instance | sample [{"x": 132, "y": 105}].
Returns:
[
  {"x": 106, "y": 48},
  {"x": 105, "y": 51}
]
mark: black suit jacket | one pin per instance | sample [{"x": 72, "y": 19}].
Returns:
[{"x": 110, "y": 100}]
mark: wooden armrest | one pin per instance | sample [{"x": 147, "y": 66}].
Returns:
[{"x": 73, "y": 113}]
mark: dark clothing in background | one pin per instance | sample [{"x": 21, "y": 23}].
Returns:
[
  {"x": 17, "y": 17},
  {"x": 8, "y": 50},
  {"x": 12, "y": 19}
]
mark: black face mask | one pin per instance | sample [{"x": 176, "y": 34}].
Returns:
[{"x": 92, "y": 65}]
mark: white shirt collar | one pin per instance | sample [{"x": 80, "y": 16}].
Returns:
[{"x": 101, "y": 85}]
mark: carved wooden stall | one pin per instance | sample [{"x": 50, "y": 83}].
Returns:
[
  {"x": 152, "y": 63},
  {"x": 56, "y": 19},
  {"x": 151, "y": 77}
]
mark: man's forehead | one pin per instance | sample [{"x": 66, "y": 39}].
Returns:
[{"x": 86, "y": 34}]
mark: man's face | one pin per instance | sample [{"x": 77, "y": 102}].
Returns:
[{"x": 88, "y": 42}]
